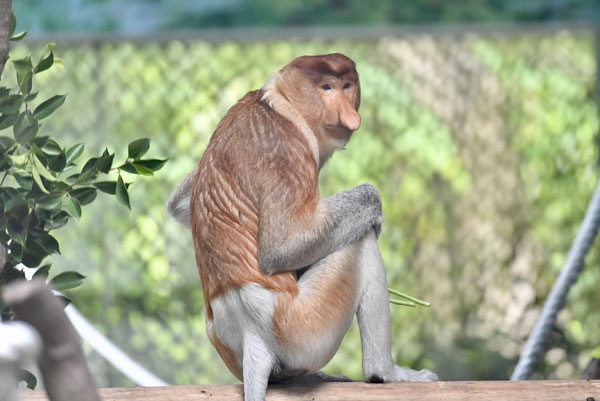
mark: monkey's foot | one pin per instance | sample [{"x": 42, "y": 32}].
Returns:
[
  {"x": 400, "y": 374},
  {"x": 409, "y": 375}
]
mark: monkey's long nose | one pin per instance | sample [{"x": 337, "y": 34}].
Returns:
[{"x": 349, "y": 117}]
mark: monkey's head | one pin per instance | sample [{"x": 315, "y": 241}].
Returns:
[{"x": 326, "y": 92}]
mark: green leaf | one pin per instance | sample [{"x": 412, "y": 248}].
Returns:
[
  {"x": 44, "y": 63},
  {"x": 25, "y": 128},
  {"x": 38, "y": 180},
  {"x": 58, "y": 163},
  {"x": 18, "y": 160},
  {"x": 58, "y": 221},
  {"x": 104, "y": 163},
  {"x": 138, "y": 148},
  {"x": 33, "y": 253},
  {"x": 42, "y": 271},
  {"x": 67, "y": 280},
  {"x": 47, "y": 107},
  {"x": 31, "y": 96},
  {"x": 6, "y": 142},
  {"x": 8, "y": 120},
  {"x": 18, "y": 36},
  {"x": 26, "y": 83},
  {"x": 40, "y": 142},
  {"x": 16, "y": 253},
  {"x": 50, "y": 202},
  {"x": 85, "y": 195},
  {"x": 74, "y": 152},
  {"x": 129, "y": 168},
  {"x": 42, "y": 169},
  {"x": 25, "y": 181},
  {"x": 89, "y": 166},
  {"x": 24, "y": 73},
  {"x": 17, "y": 201},
  {"x": 142, "y": 170},
  {"x": 152, "y": 164},
  {"x": 51, "y": 147},
  {"x": 121, "y": 193},
  {"x": 28, "y": 378},
  {"x": 74, "y": 207},
  {"x": 108, "y": 187},
  {"x": 49, "y": 243},
  {"x": 11, "y": 104},
  {"x": 16, "y": 232}
]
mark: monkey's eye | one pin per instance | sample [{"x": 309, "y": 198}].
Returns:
[
  {"x": 326, "y": 87},
  {"x": 347, "y": 85}
]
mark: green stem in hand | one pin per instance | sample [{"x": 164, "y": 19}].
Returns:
[
  {"x": 402, "y": 303},
  {"x": 409, "y": 298}
]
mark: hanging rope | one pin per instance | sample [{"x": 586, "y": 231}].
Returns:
[{"x": 556, "y": 299}]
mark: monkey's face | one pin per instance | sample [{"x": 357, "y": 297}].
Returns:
[
  {"x": 326, "y": 92},
  {"x": 340, "y": 116}
]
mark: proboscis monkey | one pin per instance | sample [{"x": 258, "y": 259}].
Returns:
[{"x": 284, "y": 270}]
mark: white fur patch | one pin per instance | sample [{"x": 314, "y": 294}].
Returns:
[
  {"x": 278, "y": 103},
  {"x": 246, "y": 314},
  {"x": 242, "y": 311}
]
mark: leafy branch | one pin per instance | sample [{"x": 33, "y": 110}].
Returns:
[{"x": 41, "y": 185}]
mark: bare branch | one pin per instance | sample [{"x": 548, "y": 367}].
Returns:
[
  {"x": 63, "y": 366},
  {"x": 5, "y": 9}
]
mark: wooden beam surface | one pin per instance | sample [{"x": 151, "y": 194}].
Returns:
[{"x": 448, "y": 391}]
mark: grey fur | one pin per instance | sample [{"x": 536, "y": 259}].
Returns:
[
  {"x": 373, "y": 314},
  {"x": 350, "y": 214},
  {"x": 178, "y": 205},
  {"x": 372, "y": 310}
]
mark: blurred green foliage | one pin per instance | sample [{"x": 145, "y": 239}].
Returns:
[
  {"x": 139, "y": 16},
  {"x": 482, "y": 195}
]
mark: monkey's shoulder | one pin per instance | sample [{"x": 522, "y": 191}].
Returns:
[{"x": 255, "y": 125}]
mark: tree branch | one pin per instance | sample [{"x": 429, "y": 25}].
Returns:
[
  {"x": 65, "y": 372},
  {"x": 5, "y": 10}
]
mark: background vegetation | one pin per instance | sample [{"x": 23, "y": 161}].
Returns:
[
  {"x": 482, "y": 148},
  {"x": 151, "y": 16}
]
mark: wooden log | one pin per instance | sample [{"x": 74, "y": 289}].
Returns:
[{"x": 582, "y": 390}]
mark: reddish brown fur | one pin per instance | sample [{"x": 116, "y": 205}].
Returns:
[
  {"x": 226, "y": 197},
  {"x": 225, "y": 353},
  {"x": 325, "y": 307},
  {"x": 258, "y": 161}
]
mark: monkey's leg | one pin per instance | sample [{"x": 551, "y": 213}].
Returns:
[
  {"x": 258, "y": 364},
  {"x": 373, "y": 315},
  {"x": 310, "y": 327}
]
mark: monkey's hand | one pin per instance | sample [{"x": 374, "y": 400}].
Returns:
[
  {"x": 373, "y": 200},
  {"x": 290, "y": 241}
]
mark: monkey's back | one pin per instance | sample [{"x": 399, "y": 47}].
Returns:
[{"x": 239, "y": 168}]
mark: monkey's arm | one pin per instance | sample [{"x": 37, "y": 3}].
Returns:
[{"x": 291, "y": 241}]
